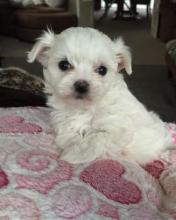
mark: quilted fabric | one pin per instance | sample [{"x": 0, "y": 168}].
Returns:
[{"x": 36, "y": 185}]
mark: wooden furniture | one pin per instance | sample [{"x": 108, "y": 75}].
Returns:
[
  {"x": 28, "y": 23},
  {"x": 164, "y": 20},
  {"x": 132, "y": 8},
  {"x": 167, "y": 20},
  {"x": 134, "y": 4}
]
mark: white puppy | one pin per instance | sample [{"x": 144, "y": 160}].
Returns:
[{"x": 94, "y": 113}]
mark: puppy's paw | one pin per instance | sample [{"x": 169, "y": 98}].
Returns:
[
  {"x": 168, "y": 182},
  {"x": 77, "y": 156},
  {"x": 72, "y": 158}
]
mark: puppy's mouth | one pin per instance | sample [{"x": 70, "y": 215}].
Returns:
[
  {"x": 82, "y": 97},
  {"x": 78, "y": 96}
]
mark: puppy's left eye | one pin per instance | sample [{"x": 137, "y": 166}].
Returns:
[
  {"x": 102, "y": 70},
  {"x": 64, "y": 65}
]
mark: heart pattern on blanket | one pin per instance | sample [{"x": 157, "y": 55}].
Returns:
[
  {"x": 155, "y": 168},
  {"x": 107, "y": 210},
  {"x": 38, "y": 161},
  {"x": 26, "y": 207},
  {"x": 113, "y": 186},
  {"x": 3, "y": 179},
  {"x": 35, "y": 184},
  {"x": 17, "y": 124},
  {"x": 71, "y": 202}
]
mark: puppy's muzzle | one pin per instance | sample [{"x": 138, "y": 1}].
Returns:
[{"x": 81, "y": 88}]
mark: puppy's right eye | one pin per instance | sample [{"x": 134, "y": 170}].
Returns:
[
  {"x": 102, "y": 70},
  {"x": 64, "y": 65}
]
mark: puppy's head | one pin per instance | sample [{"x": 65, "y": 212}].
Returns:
[{"x": 80, "y": 64}]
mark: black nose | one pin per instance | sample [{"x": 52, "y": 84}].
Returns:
[{"x": 81, "y": 86}]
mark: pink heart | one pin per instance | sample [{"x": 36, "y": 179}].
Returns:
[
  {"x": 106, "y": 176},
  {"x": 3, "y": 179},
  {"x": 17, "y": 124},
  {"x": 107, "y": 210},
  {"x": 155, "y": 168}
]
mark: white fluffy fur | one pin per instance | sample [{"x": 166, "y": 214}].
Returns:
[{"x": 110, "y": 121}]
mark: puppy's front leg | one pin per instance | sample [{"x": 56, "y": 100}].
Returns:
[
  {"x": 66, "y": 144},
  {"x": 93, "y": 145},
  {"x": 84, "y": 148}
]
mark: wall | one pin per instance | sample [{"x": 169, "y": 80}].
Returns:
[{"x": 84, "y": 10}]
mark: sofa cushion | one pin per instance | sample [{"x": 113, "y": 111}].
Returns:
[
  {"x": 31, "y": 22},
  {"x": 40, "y": 18}
]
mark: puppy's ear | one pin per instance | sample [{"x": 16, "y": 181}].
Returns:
[
  {"x": 41, "y": 48},
  {"x": 123, "y": 56}
]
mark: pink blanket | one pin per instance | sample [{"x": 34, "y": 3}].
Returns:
[{"x": 36, "y": 185}]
